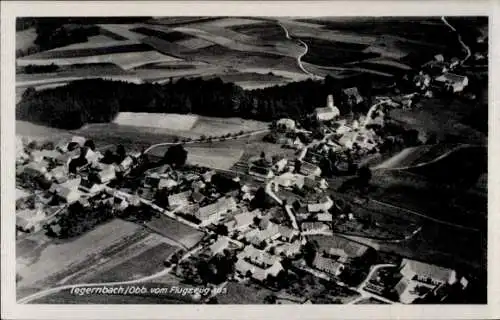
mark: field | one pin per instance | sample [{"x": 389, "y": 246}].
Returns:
[
  {"x": 38, "y": 132},
  {"x": 43, "y": 262},
  {"x": 135, "y": 267},
  {"x": 154, "y": 120},
  {"x": 176, "y": 231},
  {"x": 445, "y": 119}
]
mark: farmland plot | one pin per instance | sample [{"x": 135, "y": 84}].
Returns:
[
  {"x": 96, "y": 42},
  {"x": 155, "y": 120},
  {"x": 122, "y": 30}
]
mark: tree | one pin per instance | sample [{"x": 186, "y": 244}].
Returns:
[
  {"x": 90, "y": 144},
  {"x": 222, "y": 230},
  {"x": 364, "y": 175},
  {"x": 121, "y": 153},
  {"x": 175, "y": 156},
  {"x": 270, "y": 299}
]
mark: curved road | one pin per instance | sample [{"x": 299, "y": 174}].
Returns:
[
  {"x": 421, "y": 164},
  {"x": 299, "y": 58},
  {"x": 244, "y": 135},
  {"x": 467, "y": 49}
]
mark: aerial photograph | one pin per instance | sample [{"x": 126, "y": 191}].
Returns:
[{"x": 251, "y": 160}]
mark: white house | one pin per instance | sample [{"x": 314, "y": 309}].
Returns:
[
  {"x": 455, "y": 81},
  {"x": 321, "y": 205},
  {"x": 280, "y": 165},
  {"x": 420, "y": 278},
  {"x": 29, "y": 220}
]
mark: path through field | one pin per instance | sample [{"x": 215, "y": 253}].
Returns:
[
  {"x": 467, "y": 49},
  {"x": 299, "y": 58}
]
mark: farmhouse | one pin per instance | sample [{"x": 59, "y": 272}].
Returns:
[
  {"x": 126, "y": 164},
  {"x": 324, "y": 217},
  {"x": 288, "y": 249},
  {"x": 22, "y": 197},
  {"x": 166, "y": 183},
  {"x": 106, "y": 174},
  {"x": 242, "y": 220},
  {"x": 328, "y": 265},
  {"x": 259, "y": 263},
  {"x": 455, "y": 82},
  {"x": 309, "y": 169},
  {"x": 49, "y": 155},
  {"x": 285, "y": 123},
  {"x": 179, "y": 199},
  {"x": 219, "y": 246},
  {"x": 280, "y": 165},
  {"x": 420, "y": 278},
  {"x": 322, "y": 204},
  {"x": 261, "y": 172},
  {"x": 29, "y": 220},
  {"x": 213, "y": 212},
  {"x": 59, "y": 174},
  {"x": 314, "y": 227},
  {"x": 35, "y": 169}
]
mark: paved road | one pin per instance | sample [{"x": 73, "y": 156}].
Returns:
[
  {"x": 161, "y": 273},
  {"x": 467, "y": 49}
]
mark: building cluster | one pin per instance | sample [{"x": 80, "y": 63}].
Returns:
[
  {"x": 51, "y": 177},
  {"x": 441, "y": 75}
]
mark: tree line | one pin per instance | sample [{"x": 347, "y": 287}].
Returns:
[{"x": 98, "y": 100}]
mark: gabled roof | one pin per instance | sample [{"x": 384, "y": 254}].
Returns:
[
  {"x": 219, "y": 245},
  {"x": 222, "y": 205},
  {"x": 326, "y": 264},
  {"x": 452, "y": 77},
  {"x": 426, "y": 270},
  {"x": 176, "y": 199}
]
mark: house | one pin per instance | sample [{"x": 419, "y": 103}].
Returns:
[
  {"x": 166, "y": 183},
  {"x": 328, "y": 265},
  {"x": 258, "y": 236},
  {"x": 22, "y": 197},
  {"x": 29, "y": 220},
  {"x": 91, "y": 187},
  {"x": 261, "y": 172},
  {"x": 219, "y": 246},
  {"x": 352, "y": 95},
  {"x": 287, "y": 179},
  {"x": 213, "y": 212},
  {"x": 197, "y": 185},
  {"x": 315, "y": 182},
  {"x": 323, "y": 204},
  {"x": 287, "y": 234},
  {"x": 285, "y": 123},
  {"x": 106, "y": 174},
  {"x": 59, "y": 174},
  {"x": 455, "y": 82},
  {"x": 314, "y": 227},
  {"x": 179, "y": 199},
  {"x": 280, "y": 165},
  {"x": 324, "y": 217},
  {"x": 197, "y": 197},
  {"x": 420, "y": 278},
  {"x": 35, "y": 169},
  {"x": 242, "y": 220},
  {"x": 309, "y": 169},
  {"x": 68, "y": 195},
  {"x": 259, "y": 263},
  {"x": 439, "y": 57},
  {"x": 65, "y": 158},
  {"x": 288, "y": 249},
  {"x": 49, "y": 155},
  {"x": 92, "y": 156}
]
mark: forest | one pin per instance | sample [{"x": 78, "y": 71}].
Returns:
[{"x": 98, "y": 101}]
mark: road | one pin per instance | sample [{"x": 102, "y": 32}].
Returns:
[
  {"x": 385, "y": 165},
  {"x": 244, "y": 135},
  {"x": 299, "y": 57},
  {"x": 365, "y": 294},
  {"x": 161, "y": 273},
  {"x": 466, "y": 48}
]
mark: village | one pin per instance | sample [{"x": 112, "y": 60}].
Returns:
[{"x": 259, "y": 222}]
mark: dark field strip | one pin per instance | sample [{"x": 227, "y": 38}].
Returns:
[
  {"x": 381, "y": 68},
  {"x": 167, "y": 36},
  {"x": 72, "y": 53},
  {"x": 335, "y": 57}
]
